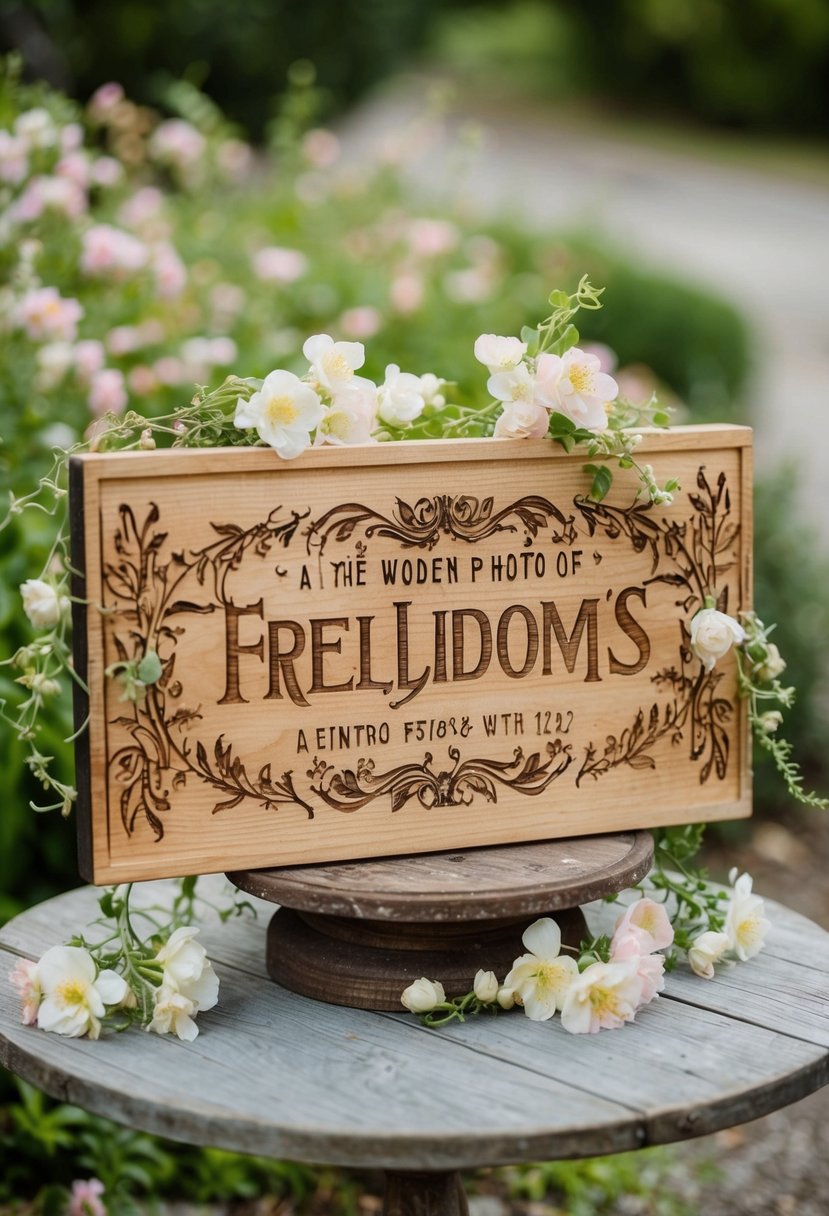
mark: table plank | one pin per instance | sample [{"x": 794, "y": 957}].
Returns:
[{"x": 276, "y": 1073}]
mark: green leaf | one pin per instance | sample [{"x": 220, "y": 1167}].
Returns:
[
  {"x": 602, "y": 480},
  {"x": 567, "y": 340},
  {"x": 530, "y": 336},
  {"x": 560, "y": 425},
  {"x": 559, "y": 299},
  {"x": 150, "y": 669}
]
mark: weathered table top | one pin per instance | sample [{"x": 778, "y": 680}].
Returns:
[{"x": 281, "y": 1075}]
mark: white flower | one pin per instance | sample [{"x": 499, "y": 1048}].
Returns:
[
  {"x": 485, "y": 986},
  {"x": 42, "y": 603},
  {"x": 706, "y": 950},
  {"x": 24, "y": 978},
  {"x": 574, "y": 384},
  {"x": 713, "y": 634},
  {"x": 423, "y": 995},
  {"x": 541, "y": 979},
  {"x": 772, "y": 666},
  {"x": 400, "y": 397},
  {"x": 349, "y": 419},
  {"x": 174, "y": 1012},
  {"x": 431, "y": 389},
  {"x": 604, "y": 996},
  {"x": 284, "y": 411},
  {"x": 769, "y": 721},
  {"x": 745, "y": 924},
  {"x": 333, "y": 364},
  {"x": 35, "y": 128},
  {"x": 522, "y": 420},
  {"x": 515, "y": 384},
  {"x": 187, "y": 969},
  {"x": 505, "y": 997},
  {"x": 499, "y": 354},
  {"x": 75, "y": 994}
]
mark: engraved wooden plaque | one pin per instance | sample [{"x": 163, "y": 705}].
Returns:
[{"x": 401, "y": 648}]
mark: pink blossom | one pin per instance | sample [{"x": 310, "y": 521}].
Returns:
[
  {"x": 648, "y": 922},
  {"x": 85, "y": 1198},
  {"x": 432, "y": 238},
  {"x": 361, "y": 322},
  {"x": 107, "y": 252},
  {"x": 29, "y": 206},
  {"x": 321, "y": 148},
  {"x": 142, "y": 380},
  {"x": 471, "y": 286},
  {"x": 75, "y": 167},
  {"x": 89, "y": 359},
  {"x": 71, "y": 137},
  {"x": 123, "y": 340},
  {"x": 222, "y": 351},
  {"x": 107, "y": 392},
  {"x": 277, "y": 265},
  {"x": 151, "y": 332},
  {"x": 105, "y": 100},
  {"x": 169, "y": 271},
  {"x": 44, "y": 315},
  {"x": 24, "y": 978},
  {"x": 106, "y": 171},
  {"x": 169, "y": 370},
  {"x": 604, "y": 353},
  {"x": 226, "y": 300},
  {"x": 650, "y": 967},
  {"x": 234, "y": 158},
  {"x": 49, "y": 193},
  {"x": 406, "y": 293},
  {"x": 14, "y": 158},
  {"x": 146, "y": 204},
  {"x": 177, "y": 143}
]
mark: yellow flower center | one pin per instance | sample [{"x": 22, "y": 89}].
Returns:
[
  {"x": 336, "y": 424},
  {"x": 337, "y": 367},
  {"x": 280, "y": 411},
  {"x": 71, "y": 992},
  {"x": 581, "y": 379},
  {"x": 748, "y": 931},
  {"x": 522, "y": 391},
  {"x": 604, "y": 1001}
]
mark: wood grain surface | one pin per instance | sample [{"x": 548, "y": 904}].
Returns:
[
  {"x": 278, "y": 1074},
  {"x": 400, "y": 648}
]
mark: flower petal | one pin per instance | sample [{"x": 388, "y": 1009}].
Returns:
[{"x": 543, "y": 938}]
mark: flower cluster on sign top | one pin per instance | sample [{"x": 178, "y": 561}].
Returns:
[{"x": 605, "y": 981}]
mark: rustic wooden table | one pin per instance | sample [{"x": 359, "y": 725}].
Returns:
[{"x": 278, "y": 1074}]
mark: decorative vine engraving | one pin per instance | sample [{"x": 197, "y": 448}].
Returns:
[
  {"x": 159, "y": 757},
  {"x": 349, "y": 789},
  {"x": 463, "y": 517},
  {"x": 701, "y": 551}
]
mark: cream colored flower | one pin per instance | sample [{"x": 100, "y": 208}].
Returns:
[
  {"x": 42, "y": 603},
  {"x": 284, "y": 411},
  {"x": 75, "y": 993},
  {"x": 770, "y": 721},
  {"x": 745, "y": 922},
  {"x": 423, "y": 995},
  {"x": 333, "y": 364},
  {"x": 713, "y": 634},
  {"x": 648, "y": 922},
  {"x": 772, "y": 666},
  {"x": 573, "y": 384},
  {"x": 187, "y": 969},
  {"x": 522, "y": 420},
  {"x": 499, "y": 354},
  {"x": 25, "y": 979},
  {"x": 706, "y": 950},
  {"x": 485, "y": 986},
  {"x": 400, "y": 397},
  {"x": 541, "y": 979},
  {"x": 505, "y": 998},
  {"x": 603, "y": 997},
  {"x": 174, "y": 1013}
]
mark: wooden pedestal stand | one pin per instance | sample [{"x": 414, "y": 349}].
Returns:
[{"x": 357, "y": 933}]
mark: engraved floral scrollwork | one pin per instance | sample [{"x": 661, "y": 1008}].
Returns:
[
  {"x": 463, "y": 517},
  {"x": 148, "y": 591},
  {"x": 350, "y": 789}
]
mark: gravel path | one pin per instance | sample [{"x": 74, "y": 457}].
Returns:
[{"x": 761, "y": 239}]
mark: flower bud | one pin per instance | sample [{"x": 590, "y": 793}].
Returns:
[
  {"x": 423, "y": 995},
  {"x": 713, "y": 634},
  {"x": 705, "y": 951},
  {"x": 769, "y": 721},
  {"x": 146, "y": 442},
  {"x": 485, "y": 986},
  {"x": 505, "y": 998},
  {"x": 772, "y": 666},
  {"x": 42, "y": 603}
]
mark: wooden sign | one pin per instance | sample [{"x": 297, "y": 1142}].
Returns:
[{"x": 400, "y": 648}]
